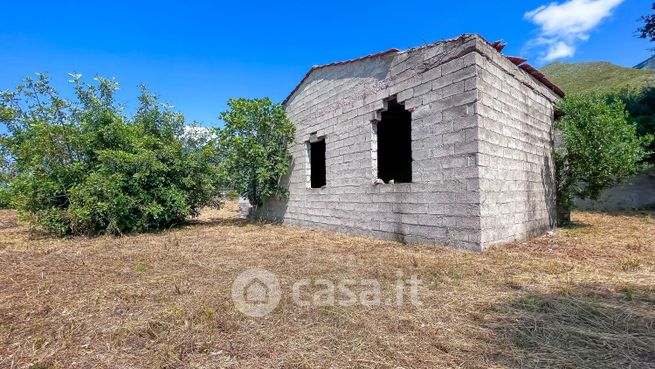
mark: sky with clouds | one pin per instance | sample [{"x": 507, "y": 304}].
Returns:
[
  {"x": 197, "y": 54},
  {"x": 563, "y": 26}
]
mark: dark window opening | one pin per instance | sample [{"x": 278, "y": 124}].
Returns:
[
  {"x": 395, "y": 144},
  {"x": 317, "y": 163}
]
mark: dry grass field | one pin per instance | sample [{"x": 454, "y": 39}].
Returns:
[{"x": 581, "y": 297}]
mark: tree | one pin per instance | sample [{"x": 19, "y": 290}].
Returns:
[
  {"x": 4, "y": 180},
  {"x": 647, "y": 31},
  {"x": 84, "y": 167},
  {"x": 601, "y": 149},
  {"x": 640, "y": 104},
  {"x": 253, "y": 146}
]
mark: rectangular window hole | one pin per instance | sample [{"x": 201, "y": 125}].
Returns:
[
  {"x": 394, "y": 139},
  {"x": 317, "y": 162}
]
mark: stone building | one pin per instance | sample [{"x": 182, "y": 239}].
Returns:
[{"x": 449, "y": 143}]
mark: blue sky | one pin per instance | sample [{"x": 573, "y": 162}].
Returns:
[{"x": 196, "y": 55}]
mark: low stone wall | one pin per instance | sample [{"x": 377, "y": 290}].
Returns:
[{"x": 636, "y": 193}]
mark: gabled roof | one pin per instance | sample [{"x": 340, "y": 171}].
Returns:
[
  {"x": 498, "y": 45},
  {"x": 316, "y": 67}
]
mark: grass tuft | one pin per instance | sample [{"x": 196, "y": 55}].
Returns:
[{"x": 140, "y": 268}]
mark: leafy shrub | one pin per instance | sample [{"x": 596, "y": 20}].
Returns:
[
  {"x": 253, "y": 147},
  {"x": 5, "y": 175},
  {"x": 640, "y": 104},
  {"x": 4, "y": 198},
  {"x": 601, "y": 148},
  {"x": 84, "y": 167}
]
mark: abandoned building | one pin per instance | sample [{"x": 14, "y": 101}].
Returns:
[{"x": 449, "y": 143}]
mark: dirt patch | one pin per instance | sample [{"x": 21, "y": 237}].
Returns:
[{"x": 8, "y": 219}]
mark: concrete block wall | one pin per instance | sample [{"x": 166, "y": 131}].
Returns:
[
  {"x": 453, "y": 184},
  {"x": 637, "y": 192},
  {"x": 516, "y": 143}
]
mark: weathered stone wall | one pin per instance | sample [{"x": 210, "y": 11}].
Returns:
[
  {"x": 443, "y": 85},
  {"x": 637, "y": 192},
  {"x": 516, "y": 137}
]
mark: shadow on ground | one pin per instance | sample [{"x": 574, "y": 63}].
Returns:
[
  {"x": 234, "y": 222},
  {"x": 585, "y": 328},
  {"x": 575, "y": 225}
]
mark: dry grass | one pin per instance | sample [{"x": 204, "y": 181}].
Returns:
[{"x": 583, "y": 297}]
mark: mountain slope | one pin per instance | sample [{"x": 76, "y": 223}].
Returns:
[
  {"x": 647, "y": 64},
  {"x": 596, "y": 76}
]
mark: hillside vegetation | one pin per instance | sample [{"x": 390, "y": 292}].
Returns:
[
  {"x": 596, "y": 76},
  {"x": 626, "y": 84}
]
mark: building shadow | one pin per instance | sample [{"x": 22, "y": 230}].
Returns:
[
  {"x": 549, "y": 191},
  {"x": 575, "y": 225}
]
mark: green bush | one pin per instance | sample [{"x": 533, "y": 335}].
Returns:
[
  {"x": 5, "y": 175},
  {"x": 85, "y": 167},
  {"x": 4, "y": 198},
  {"x": 601, "y": 148},
  {"x": 253, "y": 146},
  {"x": 640, "y": 104}
]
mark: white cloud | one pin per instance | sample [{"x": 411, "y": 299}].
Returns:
[
  {"x": 563, "y": 26},
  {"x": 559, "y": 50}
]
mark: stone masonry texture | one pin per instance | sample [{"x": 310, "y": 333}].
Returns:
[{"x": 481, "y": 139}]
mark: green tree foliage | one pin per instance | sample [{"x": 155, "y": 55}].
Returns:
[
  {"x": 640, "y": 104},
  {"x": 4, "y": 199},
  {"x": 5, "y": 175},
  {"x": 601, "y": 148},
  {"x": 84, "y": 167},
  {"x": 253, "y": 147},
  {"x": 4, "y": 196},
  {"x": 647, "y": 31}
]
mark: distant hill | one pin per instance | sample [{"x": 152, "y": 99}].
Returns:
[
  {"x": 596, "y": 76},
  {"x": 647, "y": 64}
]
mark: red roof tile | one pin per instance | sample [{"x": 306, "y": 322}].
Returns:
[
  {"x": 517, "y": 60},
  {"x": 541, "y": 78},
  {"x": 499, "y": 46}
]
